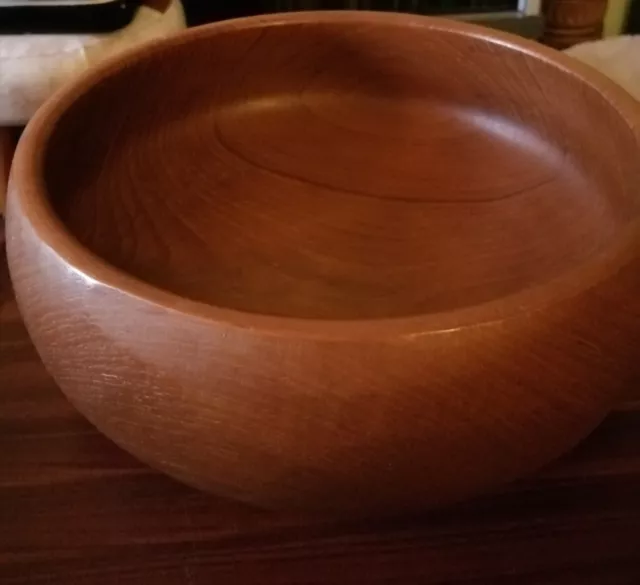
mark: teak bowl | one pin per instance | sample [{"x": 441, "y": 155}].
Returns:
[{"x": 335, "y": 260}]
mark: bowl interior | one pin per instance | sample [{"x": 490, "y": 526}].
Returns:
[{"x": 341, "y": 168}]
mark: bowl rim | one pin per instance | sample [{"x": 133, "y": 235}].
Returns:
[{"x": 28, "y": 191}]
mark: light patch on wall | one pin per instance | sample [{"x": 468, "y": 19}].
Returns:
[{"x": 615, "y": 18}]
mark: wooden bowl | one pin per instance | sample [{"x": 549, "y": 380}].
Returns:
[{"x": 335, "y": 260}]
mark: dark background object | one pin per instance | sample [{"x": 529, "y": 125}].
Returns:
[
  {"x": 77, "y": 18},
  {"x": 201, "y": 11},
  {"x": 633, "y": 20},
  {"x": 568, "y": 22}
]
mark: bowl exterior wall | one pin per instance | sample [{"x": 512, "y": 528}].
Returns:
[{"x": 386, "y": 422}]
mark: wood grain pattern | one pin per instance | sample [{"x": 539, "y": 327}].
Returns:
[
  {"x": 569, "y": 22},
  {"x": 335, "y": 283},
  {"x": 76, "y": 510}
]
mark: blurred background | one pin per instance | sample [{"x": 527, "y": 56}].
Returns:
[
  {"x": 203, "y": 11},
  {"x": 622, "y": 15}
]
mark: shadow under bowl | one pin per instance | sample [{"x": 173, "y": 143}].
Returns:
[{"x": 334, "y": 260}]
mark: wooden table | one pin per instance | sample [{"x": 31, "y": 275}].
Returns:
[{"x": 76, "y": 509}]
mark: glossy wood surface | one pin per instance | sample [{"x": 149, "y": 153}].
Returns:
[
  {"x": 76, "y": 510},
  {"x": 349, "y": 180},
  {"x": 335, "y": 278}
]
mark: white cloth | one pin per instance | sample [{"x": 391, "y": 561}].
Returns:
[
  {"x": 32, "y": 67},
  {"x": 616, "y": 57}
]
